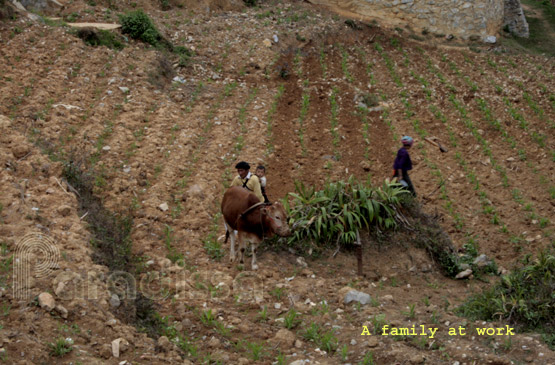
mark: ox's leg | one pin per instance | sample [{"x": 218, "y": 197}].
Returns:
[
  {"x": 231, "y": 233},
  {"x": 242, "y": 246},
  {"x": 254, "y": 246}
]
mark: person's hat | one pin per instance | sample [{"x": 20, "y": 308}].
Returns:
[
  {"x": 243, "y": 165},
  {"x": 407, "y": 141}
]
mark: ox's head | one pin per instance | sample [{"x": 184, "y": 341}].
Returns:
[{"x": 276, "y": 218}]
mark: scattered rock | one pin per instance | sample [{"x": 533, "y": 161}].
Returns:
[
  {"x": 301, "y": 262},
  {"x": 298, "y": 344},
  {"x": 46, "y": 301},
  {"x": 267, "y": 43},
  {"x": 464, "y": 266},
  {"x": 124, "y": 89},
  {"x": 220, "y": 357},
  {"x": 196, "y": 191},
  {"x": 372, "y": 341},
  {"x": 214, "y": 342},
  {"x": 106, "y": 148},
  {"x": 106, "y": 351},
  {"x": 481, "y": 260},
  {"x": 356, "y": 296},
  {"x": 163, "y": 344},
  {"x": 165, "y": 263},
  {"x": 163, "y": 207},
  {"x": 20, "y": 151},
  {"x": 5, "y": 122},
  {"x": 365, "y": 165},
  {"x": 62, "y": 311},
  {"x": 417, "y": 359},
  {"x": 64, "y": 210},
  {"x": 114, "y": 301},
  {"x": 285, "y": 337},
  {"x": 119, "y": 346},
  {"x": 464, "y": 274},
  {"x": 490, "y": 39}
]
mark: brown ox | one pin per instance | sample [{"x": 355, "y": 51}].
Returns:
[{"x": 253, "y": 220}]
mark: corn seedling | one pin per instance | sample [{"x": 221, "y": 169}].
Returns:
[
  {"x": 256, "y": 350},
  {"x": 334, "y": 126},
  {"x": 270, "y": 118},
  {"x": 368, "y": 359},
  {"x": 291, "y": 319},
  {"x": 323, "y": 65},
  {"x": 263, "y": 314}
]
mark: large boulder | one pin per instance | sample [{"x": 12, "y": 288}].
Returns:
[{"x": 48, "y": 7}]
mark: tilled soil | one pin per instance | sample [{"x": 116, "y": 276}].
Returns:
[{"x": 161, "y": 142}]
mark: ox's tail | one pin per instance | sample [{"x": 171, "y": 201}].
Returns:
[{"x": 226, "y": 236}]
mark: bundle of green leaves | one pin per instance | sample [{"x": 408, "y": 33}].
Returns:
[{"x": 340, "y": 210}]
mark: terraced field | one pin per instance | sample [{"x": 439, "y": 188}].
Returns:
[{"x": 312, "y": 97}]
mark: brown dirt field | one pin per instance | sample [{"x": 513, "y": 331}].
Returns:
[{"x": 161, "y": 141}]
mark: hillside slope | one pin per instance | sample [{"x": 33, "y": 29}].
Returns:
[{"x": 160, "y": 142}]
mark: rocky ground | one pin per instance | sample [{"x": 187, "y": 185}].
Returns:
[{"x": 278, "y": 84}]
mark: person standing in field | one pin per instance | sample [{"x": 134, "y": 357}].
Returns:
[{"x": 403, "y": 164}]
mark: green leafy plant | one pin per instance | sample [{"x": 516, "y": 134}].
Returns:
[
  {"x": 368, "y": 359},
  {"x": 524, "y": 297},
  {"x": 256, "y": 350},
  {"x": 277, "y": 292},
  {"x": 263, "y": 314},
  {"x": 139, "y": 26},
  {"x": 344, "y": 352},
  {"x": 291, "y": 319},
  {"x": 411, "y": 313},
  {"x": 208, "y": 318},
  {"x": 60, "y": 347},
  {"x": 325, "y": 340},
  {"x": 340, "y": 210},
  {"x": 311, "y": 332}
]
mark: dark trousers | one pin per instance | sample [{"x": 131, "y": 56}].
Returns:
[
  {"x": 406, "y": 177},
  {"x": 266, "y": 200}
]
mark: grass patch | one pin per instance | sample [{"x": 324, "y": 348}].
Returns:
[
  {"x": 542, "y": 29},
  {"x": 139, "y": 26},
  {"x": 523, "y": 298},
  {"x": 110, "y": 230},
  {"x": 100, "y": 37},
  {"x": 112, "y": 248},
  {"x": 60, "y": 347}
]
